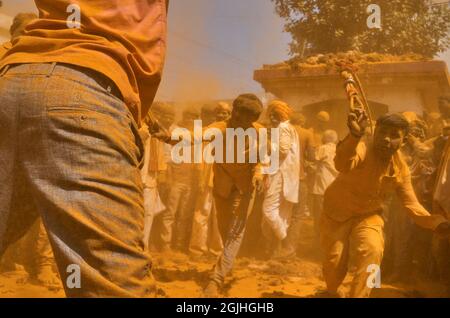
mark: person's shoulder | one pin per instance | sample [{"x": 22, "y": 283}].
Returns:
[
  {"x": 258, "y": 126},
  {"x": 222, "y": 125},
  {"x": 285, "y": 127}
]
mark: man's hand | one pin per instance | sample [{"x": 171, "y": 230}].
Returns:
[
  {"x": 357, "y": 122},
  {"x": 443, "y": 230},
  {"x": 144, "y": 133},
  {"x": 258, "y": 183},
  {"x": 163, "y": 136},
  {"x": 411, "y": 139}
]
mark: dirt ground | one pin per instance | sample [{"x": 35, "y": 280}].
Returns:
[{"x": 180, "y": 276}]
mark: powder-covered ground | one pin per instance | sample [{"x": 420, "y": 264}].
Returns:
[{"x": 180, "y": 276}]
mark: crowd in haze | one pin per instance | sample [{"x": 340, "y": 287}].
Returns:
[{"x": 339, "y": 184}]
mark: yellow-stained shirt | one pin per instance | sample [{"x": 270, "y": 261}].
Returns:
[
  {"x": 364, "y": 183},
  {"x": 5, "y": 47},
  {"x": 229, "y": 175},
  {"x": 122, "y": 39}
]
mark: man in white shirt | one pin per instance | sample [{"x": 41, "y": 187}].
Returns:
[{"x": 283, "y": 185}]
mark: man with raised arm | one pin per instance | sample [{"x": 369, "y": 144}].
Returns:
[{"x": 352, "y": 222}]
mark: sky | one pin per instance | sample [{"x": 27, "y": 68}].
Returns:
[{"x": 213, "y": 46}]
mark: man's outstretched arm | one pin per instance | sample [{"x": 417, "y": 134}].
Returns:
[{"x": 417, "y": 212}]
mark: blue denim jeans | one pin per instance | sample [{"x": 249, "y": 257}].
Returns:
[
  {"x": 70, "y": 152},
  {"x": 232, "y": 215}
]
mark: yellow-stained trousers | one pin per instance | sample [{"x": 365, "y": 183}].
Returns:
[{"x": 355, "y": 244}]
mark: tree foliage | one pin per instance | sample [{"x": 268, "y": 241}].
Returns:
[{"x": 331, "y": 26}]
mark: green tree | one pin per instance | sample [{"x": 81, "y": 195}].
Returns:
[{"x": 331, "y": 26}]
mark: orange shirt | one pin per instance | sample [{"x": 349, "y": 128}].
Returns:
[
  {"x": 229, "y": 175},
  {"x": 364, "y": 182},
  {"x": 122, "y": 39},
  {"x": 4, "y": 48}
]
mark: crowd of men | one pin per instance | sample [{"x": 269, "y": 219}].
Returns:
[
  {"x": 351, "y": 179},
  {"x": 80, "y": 148}
]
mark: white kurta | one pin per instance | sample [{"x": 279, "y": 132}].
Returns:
[
  {"x": 283, "y": 184},
  {"x": 326, "y": 172},
  {"x": 288, "y": 146},
  {"x": 152, "y": 201}
]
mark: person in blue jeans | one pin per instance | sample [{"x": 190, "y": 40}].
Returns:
[{"x": 72, "y": 98}]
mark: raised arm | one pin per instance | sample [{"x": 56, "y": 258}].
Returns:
[{"x": 350, "y": 152}]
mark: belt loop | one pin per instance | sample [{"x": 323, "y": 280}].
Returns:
[
  {"x": 4, "y": 70},
  {"x": 52, "y": 68}
]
